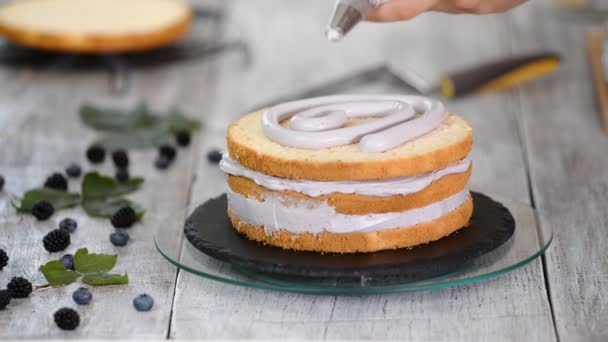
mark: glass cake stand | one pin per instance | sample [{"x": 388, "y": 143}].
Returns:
[{"x": 529, "y": 241}]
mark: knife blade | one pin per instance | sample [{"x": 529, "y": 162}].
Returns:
[{"x": 491, "y": 76}]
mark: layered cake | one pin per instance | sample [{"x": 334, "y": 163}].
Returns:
[{"x": 349, "y": 173}]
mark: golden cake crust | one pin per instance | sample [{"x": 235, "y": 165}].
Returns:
[
  {"x": 97, "y": 42},
  {"x": 445, "y": 145},
  {"x": 354, "y": 204},
  {"x": 361, "y": 242}
]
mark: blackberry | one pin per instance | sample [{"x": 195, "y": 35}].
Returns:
[
  {"x": 5, "y": 299},
  {"x": 119, "y": 239},
  {"x": 182, "y": 138},
  {"x": 56, "y": 181},
  {"x": 162, "y": 162},
  {"x": 68, "y": 261},
  {"x": 57, "y": 240},
  {"x": 96, "y": 154},
  {"x": 82, "y": 296},
  {"x": 143, "y": 302},
  {"x": 3, "y": 259},
  {"x": 19, "y": 287},
  {"x": 214, "y": 156},
  {"x": 167, "y": 151},
  {"x": 1, "y": 182},
  {"x": 124, "y": 217},
  {"x": 73, "y": 170},
  {"x": 66, "y": 319},
  {"x": 68, "y": 224},
  {"x": 120, "y": 158},
  {"x": 122, "y": 175},
  {"x": 42, "y": 210}
]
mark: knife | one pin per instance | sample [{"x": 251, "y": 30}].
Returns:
[
  {"x": 597, "y": 44},
  {"x": 491, "y": 76}
]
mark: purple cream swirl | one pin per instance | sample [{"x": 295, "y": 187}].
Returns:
[{"x": 319, "y": 122}]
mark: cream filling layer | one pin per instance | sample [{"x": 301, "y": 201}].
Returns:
[
  {"x": 380, "y": 188},
  {"x": 303, "y": 216}
]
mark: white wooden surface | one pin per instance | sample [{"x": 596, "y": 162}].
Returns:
[{"x": 548, "y": 130}]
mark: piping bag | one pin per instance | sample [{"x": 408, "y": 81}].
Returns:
[{"x": 346, "y": 15}]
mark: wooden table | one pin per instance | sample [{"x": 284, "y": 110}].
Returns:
[{"x": 541, "y": 144}]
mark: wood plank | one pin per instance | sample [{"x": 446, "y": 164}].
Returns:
[
  {"x": 569, "y": 170},
  {"x": 290, "y": 54},
  {"x": 43, "y": 126}
]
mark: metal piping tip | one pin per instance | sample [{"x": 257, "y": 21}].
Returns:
[
  {"x": 344, "y": 18},
  {"x": 334, "y": 34}
]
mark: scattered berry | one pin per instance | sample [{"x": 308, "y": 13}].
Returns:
[
  {"x": 214, "y": 156},
  {"x": 42, "y": 210},
  {"x": 57, "y": 240},
  {"x": 82, "y": 296},
  {"x": 119, "y": 238},
  {"x": 162, "y": 162},
  {"x": 73, "y": 170},
  {"x": 122, "y": 175},
  {"x": 1, "y": 182},
  {"x": 143, "y": 302},
  {"x": 3, "y": 259},
  {"x": 68, "y": 224},
  {"x": 124, "y": 217},
  {"x": 5, "y": 299},
  {"x": 120, "y": 158},
  {"x": 56, "y": 181},
  {"x": 68, "y": 261},
  {"x": 167, "y": 151},
  {"x": 19, "y": 287},
  {"x": 66, "y": 319},
  {"x": 96, "y": 154},
  {"x": 182, "y": 138}
]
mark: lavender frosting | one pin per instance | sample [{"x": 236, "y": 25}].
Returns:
[
  {"x": 380, "y": 187},
  {"x": 318, "y": 123}
]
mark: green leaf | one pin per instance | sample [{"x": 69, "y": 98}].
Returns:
[
  {"x": 93, "y": 263},
  {"x": 117, "y": 120},
  {"x": 96, "y": 186},
  {"x": 105, "y": 279},
  {"x": 179, "y": 122},
  {"x": 59, "y": 199},
  {"x": 137, "y": 138},
  {"x": 106, "y": 207},
  {"x": 56, "y": 273}
]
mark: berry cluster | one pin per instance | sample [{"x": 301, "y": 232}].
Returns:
[{"x": 57, "y": 240}]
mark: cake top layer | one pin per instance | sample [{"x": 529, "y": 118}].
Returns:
[
  {"x": 94, "y": 26},
  {"x": 93, "y": 16},
  {"x": 447, "y": 143}
]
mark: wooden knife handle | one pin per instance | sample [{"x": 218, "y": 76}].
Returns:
[
  {"x": 595, "y": 43},
  {"x": 498, "y": 75}
]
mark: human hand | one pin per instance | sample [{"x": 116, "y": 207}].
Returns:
[{"x": 397, "y": 10}]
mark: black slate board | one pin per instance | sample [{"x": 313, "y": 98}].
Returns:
[{"x": 209, "y": 230}]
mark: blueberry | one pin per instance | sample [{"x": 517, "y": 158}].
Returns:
[
  {"x": 162, "y": 162},
  {"x": 73, "y": 170},
  {"x": 119, "y": 238},
  {"x": 214, "y": 156},
  {"x": 68, "y": 261},
  {"x": 122, "y": 175},
  {"x": 68, "y": 224},
  {"x": 82, "y": 296},
  {"x": 143, "y": 302}
]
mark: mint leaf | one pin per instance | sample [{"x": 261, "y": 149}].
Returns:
[
  {"x": 106, "y": 207},
  {"x": 56, "y": 273},
  {"x": 137, "y": 138},
  {"x": 117, "y": 120},
  {"x": 179, "y": 122},
  {"x": 105, "y": 279},
  {"x": 95, "y": 186},
  {"x": 93, "y": 263},
  {"x": 59, "y": 199}
]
